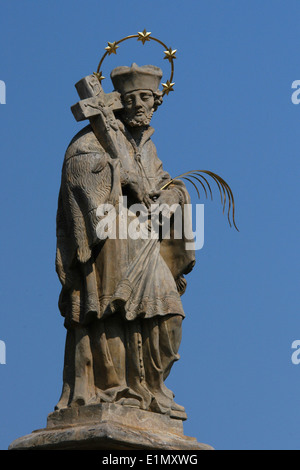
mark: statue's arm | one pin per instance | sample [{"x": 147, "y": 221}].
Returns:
[
  {"x": 86, "y": 183},
  {"x": 175, "y": 193}
]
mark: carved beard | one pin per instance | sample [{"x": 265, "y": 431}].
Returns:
[{"x": 131, "y": 121}]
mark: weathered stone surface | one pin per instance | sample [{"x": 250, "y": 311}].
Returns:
[
  {"x": 121, "y": 290},
  {"x": 121, "y": 295},
  {"x": 108, "y": 427},
  {"x": 111, "y": 413}
]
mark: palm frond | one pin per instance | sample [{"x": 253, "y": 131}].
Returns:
[
  {"x": 208, "y": 185},
  {"x": 224, "y": 189},
  {"x": 191, "y": 181}
]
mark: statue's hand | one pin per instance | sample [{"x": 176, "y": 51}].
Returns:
[
  {"x": 165, "y": 200},
  {"x": 165, "y": 196},
  {"x": 136, "y": 190}
]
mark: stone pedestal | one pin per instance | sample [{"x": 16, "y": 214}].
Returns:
[{"x": 108, "y": 427}]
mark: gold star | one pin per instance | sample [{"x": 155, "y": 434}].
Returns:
[
  {"x": 168, "y": 86},
  {"x": 170, "y": 54},
  {"x": 99, "y": 76},
  {"x": 144, "y": 36},
  {"x": 112, "y": 47}
]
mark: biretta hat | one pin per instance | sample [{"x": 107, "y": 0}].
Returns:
[{"x": 127, "y": 79}]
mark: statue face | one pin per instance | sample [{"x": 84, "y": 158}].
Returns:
[{"x": 138, "y": 107}]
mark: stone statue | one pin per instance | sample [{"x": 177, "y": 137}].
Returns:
[
  {"x": 122, "y": 281},
  {"x": 120, "y": 297}
]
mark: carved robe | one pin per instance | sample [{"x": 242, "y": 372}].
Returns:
[{"x": 120, "y": 297}]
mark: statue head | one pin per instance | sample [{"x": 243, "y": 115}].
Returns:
[{"x": 139, "y": 91}]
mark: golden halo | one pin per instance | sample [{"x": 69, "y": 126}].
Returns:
[{"x": 143, "y": 36}]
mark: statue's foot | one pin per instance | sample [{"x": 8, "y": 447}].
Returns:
[
  {"x": 129, "y": 402},
  {"x": 78, "y": 401},
  {"x": 178, "y": 411},
  {"x": 177, "y": 407}
]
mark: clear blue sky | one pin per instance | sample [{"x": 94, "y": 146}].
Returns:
[{"x": 231, "y": 113}]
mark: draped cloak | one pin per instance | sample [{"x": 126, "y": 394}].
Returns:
[{"x": 117, "y": 295}]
